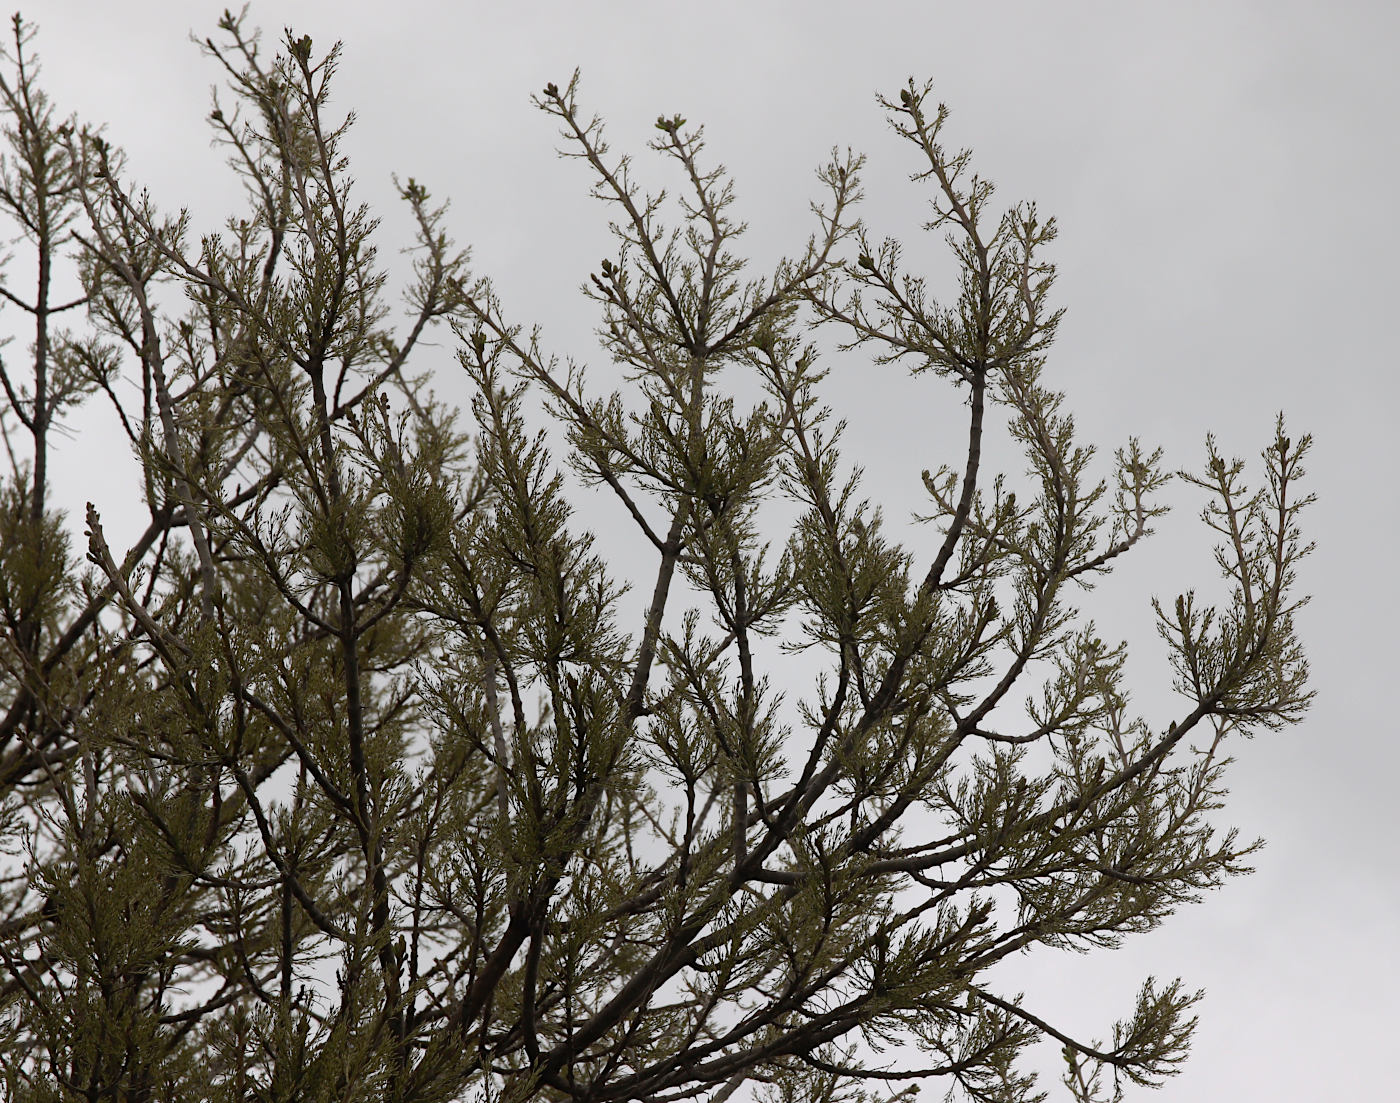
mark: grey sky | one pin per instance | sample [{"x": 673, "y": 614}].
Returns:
[{"x": 1223, "y": 174}]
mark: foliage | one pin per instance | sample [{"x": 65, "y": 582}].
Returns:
[{"x": 349, "y": 778}]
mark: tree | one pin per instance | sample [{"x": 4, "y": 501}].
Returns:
[{"x": 348, "y": 779}]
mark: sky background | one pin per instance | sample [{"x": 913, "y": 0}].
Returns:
[{"x": 1223, "y": 174}]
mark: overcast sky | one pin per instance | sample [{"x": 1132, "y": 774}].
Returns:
[{"x": 1224, "y": 177}]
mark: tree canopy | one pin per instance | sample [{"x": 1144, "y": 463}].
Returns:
[{"x": 352, "y": 779}]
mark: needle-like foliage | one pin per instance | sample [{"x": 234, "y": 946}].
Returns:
[{"x": 354, "y": 777}]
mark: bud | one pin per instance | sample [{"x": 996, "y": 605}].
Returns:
[
  {"x": 551, "y": 90},
  {"x": 866, "y": 262}
]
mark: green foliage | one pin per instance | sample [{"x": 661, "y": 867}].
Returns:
[{"x": 350, "y": 780}]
